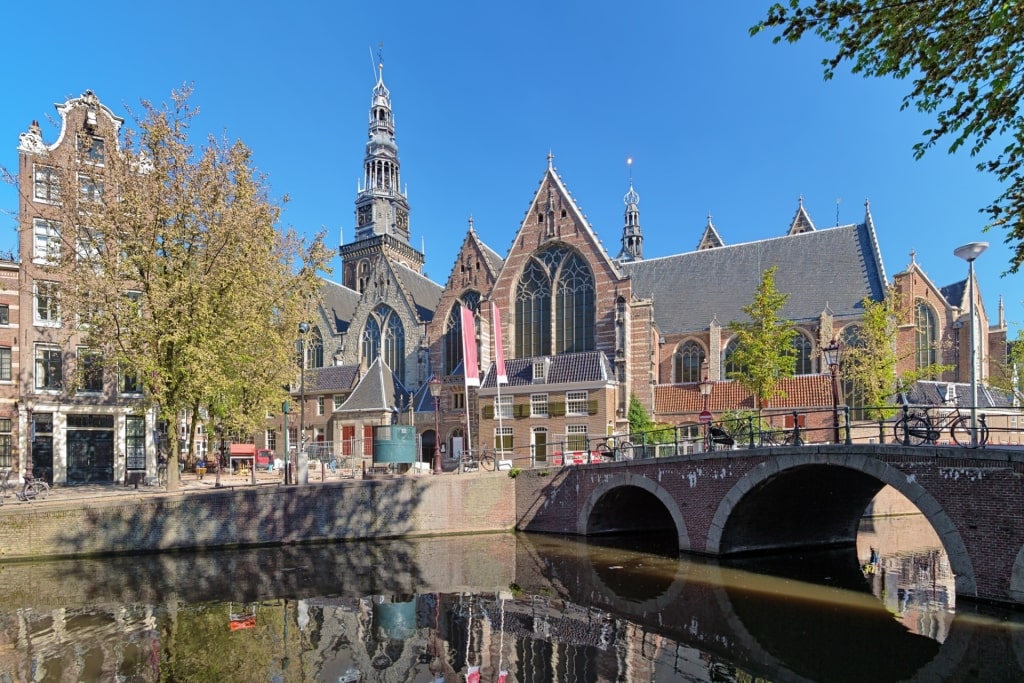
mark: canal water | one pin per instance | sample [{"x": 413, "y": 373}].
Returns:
[{"x": 507, "y": 607}]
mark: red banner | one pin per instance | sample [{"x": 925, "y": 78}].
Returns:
[
  {"x": 499, "y": 351},
  {"x": 469, "y": 361}
]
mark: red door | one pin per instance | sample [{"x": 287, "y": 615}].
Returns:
[{"x": 348, "y": 435}]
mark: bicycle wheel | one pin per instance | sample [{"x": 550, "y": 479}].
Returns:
[
  {"x": 624, "y": 451},
  {"x": 487, "y": 462},
  {"x": 770, "y": 437},
  {"x": 911, "y": 431},
  {"x": 961, "y": 432},
  {"x": 38, "y": 489},
  {"x": 792, "y": 440}
]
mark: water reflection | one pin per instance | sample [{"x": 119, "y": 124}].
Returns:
[{"x": 514, "y": 608}]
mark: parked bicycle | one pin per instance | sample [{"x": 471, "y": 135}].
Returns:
[
  {"x": 914, "y": 429},
  {"x": 615, "y": 450},
  {"x": 781, "y": 437},
  {"x": 472, "y": 462},
  {"x": 32, "y": 489}
]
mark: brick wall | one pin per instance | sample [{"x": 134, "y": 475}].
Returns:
[{"x": 411, "y": 506}]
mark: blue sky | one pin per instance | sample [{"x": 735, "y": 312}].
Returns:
[{"x": 715, "y": 121}]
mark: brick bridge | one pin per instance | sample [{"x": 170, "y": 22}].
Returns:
[{"x": 760, "y": 500}]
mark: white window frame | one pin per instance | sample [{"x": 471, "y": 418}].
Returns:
[
  {"x": 576, "y": 403},
  {"x": 539, "y": 405},
  {"x": 540, "y": 371},
  {"x": 6, "y": 364},
  {"x": 47, "y": 290},
  {"x": 576, "y": 435},
  {"x": 503, "y": 440},
  {"x": 37, "y": 355},
  {"x": 503, "y": 407},
  {"x": 339, "y": 400},
  {"x": 45, "y": 241},
  {"x": 319, "y": 405},
  {"x": 90, "y": 189},
  {"x": 46, "y": 184},
  {"x": 87, "y": 156}
]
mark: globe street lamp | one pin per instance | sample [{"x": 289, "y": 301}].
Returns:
[
  {"x": 968, "y": 253},
  {"x": 833, "y": 354},
  {"x": 435, "y": 391},
  {"x": 303, "y": 329}
]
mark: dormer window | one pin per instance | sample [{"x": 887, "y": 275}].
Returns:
[
  {"x": 540, "y": 370},
  {"x": 92, "y": 150}
]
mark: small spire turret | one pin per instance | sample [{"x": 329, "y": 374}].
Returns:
[{"x": 632, "y": 235}]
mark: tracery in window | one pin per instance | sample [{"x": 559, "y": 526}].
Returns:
[
  {"x": 556, "y": 290},
  {"x": 384, "y": 336},
  {"x": 927, "y": 337},
  {"x": 804, "y": 356},
  {"x": 686, "y": 362},
  {"x": 451, "y": 342}
]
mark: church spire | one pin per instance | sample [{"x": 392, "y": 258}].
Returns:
[
  {"x": 382, "y": 208},
  {"x": 632, "y": 235}
]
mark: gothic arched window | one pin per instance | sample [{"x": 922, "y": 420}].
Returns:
[
  {"x": 451, "y": 342},
  {"x": 731, "y": 367},
  {"x": 804, "y": 358},
  {"x": 574, "y": 307},
  {"x": 384, "y": 335},
  {"x": 686, "y": 362},
  {"x": 555, "y": 290},
  {"x": 927, "y": 335},
  {"x": 314, "y": 348}
]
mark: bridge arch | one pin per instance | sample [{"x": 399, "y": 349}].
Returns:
[
  {"x": 763, "y": 500},
  {"x": 631, "y": 489}
]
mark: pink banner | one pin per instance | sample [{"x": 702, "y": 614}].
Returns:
[
  {"x": 499, "y": 350},
  {"x": 469, "y": 362},
  {"x": 473, "y": 675}
]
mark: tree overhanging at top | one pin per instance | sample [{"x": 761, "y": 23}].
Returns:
[{"x": 965, "y": 61}]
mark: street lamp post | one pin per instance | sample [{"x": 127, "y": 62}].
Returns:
[
  {"x": 303, "y": 329},
  {"x": 968, "y": 253},
  {"x": 435, "y": 391},
  {"x": 832, "y": 357},
  {"x": 705, "y": 386}
]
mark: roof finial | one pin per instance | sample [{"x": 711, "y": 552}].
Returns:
[
  {"x": 913, "y": 257},
  {"x": 471, "y": 222},
  {"x": 551, "y": 158}
]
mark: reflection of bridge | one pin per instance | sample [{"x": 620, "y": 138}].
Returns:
[{"x": 736, "y": 502}]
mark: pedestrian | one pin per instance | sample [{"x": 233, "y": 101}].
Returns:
[{"x": 200, "y": 467}]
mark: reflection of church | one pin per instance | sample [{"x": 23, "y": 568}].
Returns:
[{"x": 583, "y": 331}]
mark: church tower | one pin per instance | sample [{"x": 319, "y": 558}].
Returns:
[
  {"x": 632, "y": 236},
  {"x": 382, "y": 208}
]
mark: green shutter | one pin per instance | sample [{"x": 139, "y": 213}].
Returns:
[
  {"x": 592, "y": 406},
  {"x": 556, "y": 409},
  {"x": 488, "y": 412},
  {"x": 521, "y": 410}
]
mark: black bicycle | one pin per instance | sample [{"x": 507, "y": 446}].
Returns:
[
  {"x": 614, "y": 450},
  {"x": 32, "y": 489},
  {"x": 914, "y": 429}
]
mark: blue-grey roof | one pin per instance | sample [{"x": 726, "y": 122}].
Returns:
[
  {"x": 832, "y": 269},
  {"x": 425, "y": 293},
  {"x": 932, "y": 393},
  {"x": 339, "y": 303},
  {"x": 586, "y": 367},
  {"x": 334, "y": 378},
  {"x": 378, "y": 389},
  {"x": 956, "y": 294}
]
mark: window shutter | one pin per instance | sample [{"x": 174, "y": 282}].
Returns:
[
  {"x": 521, "y": 410},
  {"x": 592, "y": 406},
  {"x": 556, "y": 409},
  {"x": 488, "y": 412}
]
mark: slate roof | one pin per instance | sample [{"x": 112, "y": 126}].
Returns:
[
  {"x": 378, "y": 389},
  {"x": 335, "y": 378},
  {"x": 586, "y": 367},
  {"x": 425, "y": 293},
  {"x": 832, "y": 269},
  {"x": 494, "y": 259},
  {"x": 802, "y": 391},
  {"x": 956, "y": 294},
  {"x": 339, "y": 302},
  {"x": 932, "y": 393}
]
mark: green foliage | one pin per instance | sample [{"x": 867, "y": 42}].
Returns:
[
  {"x": 217, "y": 290},
  {"x": 764, "y": 347},
  {"x": 514, "y": 472},
  {"x": 870, "y": 363},
  {"x": 965, "y": 61},
  {"x": 639, "y": 420}
]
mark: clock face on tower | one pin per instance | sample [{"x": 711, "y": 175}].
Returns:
[
  {"x": 402, "y": 219},
  {"x": 364, "y": 215}
]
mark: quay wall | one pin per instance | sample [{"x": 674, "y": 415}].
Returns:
[{"x": 259, "y": 515}]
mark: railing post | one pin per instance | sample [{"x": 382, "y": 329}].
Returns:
[
  {"x": 881, "y": 429},
  {"x": 796, "y": 428},
  {"x": 849, "y": 437},
  {"x": 982, "y": 442},
  {"x": 750, "y": 430},
  {"x": 906, "y": 425}
]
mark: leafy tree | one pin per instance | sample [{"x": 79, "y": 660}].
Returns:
[
  {"x": 643, "y": 429},
  {"x": 764, "y": 349},
  {"x": 966, "y": 62},
  {"x": 178, "y": 275},
  {"x": 870, "y": 361}
]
